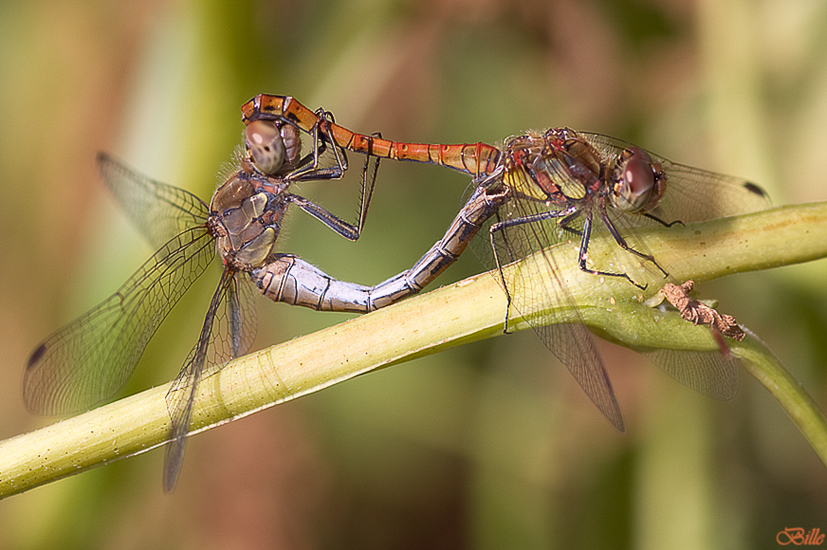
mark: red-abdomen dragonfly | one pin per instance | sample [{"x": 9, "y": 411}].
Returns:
[{"x": 563, "y": 185}]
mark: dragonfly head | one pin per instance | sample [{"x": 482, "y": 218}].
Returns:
[
  {"x": 639, "y": 182},
  {"x": 272, "y": 148}
]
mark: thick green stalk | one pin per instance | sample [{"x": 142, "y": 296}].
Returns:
[{"x": 466, "y": 311}]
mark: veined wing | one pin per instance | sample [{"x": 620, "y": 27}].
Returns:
[
  {"x": 710, "y": 373},
  {"x": 526, "y": 232},
  {"x": 228, "y": 332},
  {"x": 692, "y": 194},
  {"x": 159, "y": 210},
  {"x": 91, "y": 358}
]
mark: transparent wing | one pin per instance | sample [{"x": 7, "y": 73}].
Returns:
[
  {"x": 691, "y": 194},
  {"x": 228, "y": 332},
  {"x": 91, "y": 358},
  {"x": 710, "y": 373},
  {"x": 525, "y": 232},
  {"x": 160, "y": 211}
]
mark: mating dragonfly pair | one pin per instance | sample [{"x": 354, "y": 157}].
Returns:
[{"x": 537, "y": 190}]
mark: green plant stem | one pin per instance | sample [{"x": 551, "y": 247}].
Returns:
[
  {"x": 466, "y": 311},
  {"x": 799, "y": 405}
]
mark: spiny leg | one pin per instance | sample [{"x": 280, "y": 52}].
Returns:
[
  {"x": 584, "y": 254},
  {"x": 500, "y": 228},
  {"x": 625, "y": 246}
]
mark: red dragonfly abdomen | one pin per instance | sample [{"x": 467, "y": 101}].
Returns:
[{"x": 475, "y": 159}]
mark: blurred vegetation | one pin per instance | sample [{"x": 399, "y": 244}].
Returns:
[{"x": 486, "y": 446}]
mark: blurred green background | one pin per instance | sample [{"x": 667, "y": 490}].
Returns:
[{"x": 491, "y": 445}]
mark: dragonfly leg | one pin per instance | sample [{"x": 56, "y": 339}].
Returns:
[
  {"x": 320, "y": 134},
  {"x": 499, "y": 228},
  {"x": 564, "y": 223},
  {"x": 347, "y": 230},
  {"x": 369, "y": 171},
  {"x": 662, "y": 222},
  {"x": 343, "y": 228},
  {"x": 584, "y": 254},
  {"x": 625, "y": 246},
  {"x": 290, "y": 279}
]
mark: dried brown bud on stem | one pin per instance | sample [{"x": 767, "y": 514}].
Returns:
[{"x": 700, "y": 314}]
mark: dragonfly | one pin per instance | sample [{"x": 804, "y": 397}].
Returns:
[
  {"x": 563, "y": 184},
  {"x": 90, "y": 359}
]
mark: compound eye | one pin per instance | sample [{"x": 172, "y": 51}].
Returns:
[
  {"x": 265, "y": 145},
  {"x": 636, "y": 182}
]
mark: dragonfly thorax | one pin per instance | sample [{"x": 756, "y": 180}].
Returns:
[
  {"x": 245, "y": 220},
  {"x": 564, "y": 166}
]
